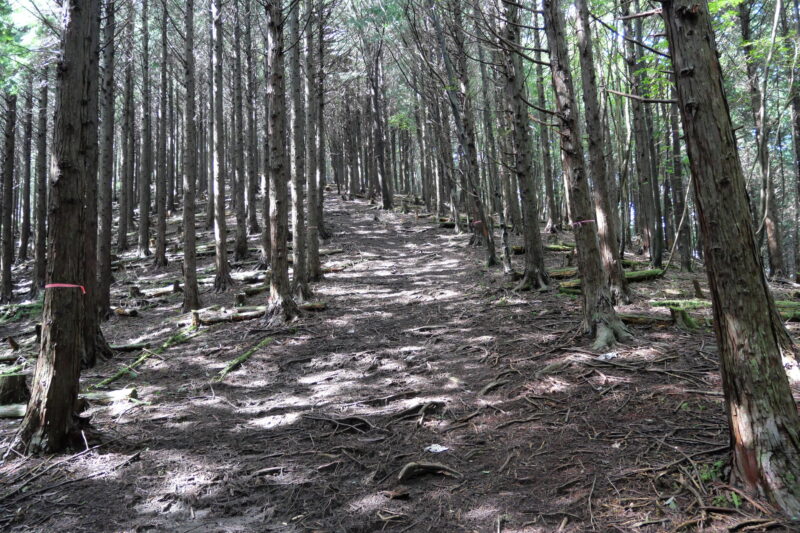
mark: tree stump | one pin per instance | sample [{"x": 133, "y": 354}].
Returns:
[{"x": 13, "y": 389}]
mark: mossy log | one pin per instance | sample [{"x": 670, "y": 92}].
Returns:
[
  {"x": 563, "y": 273},
  {"x": 682, "y": 304},
  {"x": 632, "y": 277},
  {"x": 239, "y": 361},
  {"x": 645, "y": 320},
  {"x": 178, "y": 338}
]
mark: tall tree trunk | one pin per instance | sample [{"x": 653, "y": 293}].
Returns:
[
  {"x": 684, "y": 232},
  {"x": 106, "y": 165},
  {"x": 191, "y": 298},
  {"x": 606, "y": 230},
  {"x": 40, "y": 264},
  {"x": 553, "y": 212},
  {"x": 769, "y": 222},
  {"x": 211, "y": 204},
  {"x": 534, "y": 276},
  {"x": 299, "y": 270},
  {"x": 280, "y": 307},
  {"x": 160, "y": 256},
  {"x": 320, "y": 99},
  {"x": 95, "y": 345},
  {"x": 266, "y": 230},
  {"x": 223, "y": 276},
  {"x": 27, "y": 141},
  {"x": 312, "y": 145},
  {"x": 599, "y": 317},
  {"x": 128, "y": 150},
  {"x": 240, "y": 251},
  {"x": 763, "y": 418},
  {"x": 252, "y": 147},
  {"x": 146, "y": 168},
  {"x": 644, "y": 207},
  {"x": 9, "y": 134},
  {"x": 49, "y": 418}
]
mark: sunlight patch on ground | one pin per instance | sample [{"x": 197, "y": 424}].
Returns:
[{"x": 271, "y": 422}]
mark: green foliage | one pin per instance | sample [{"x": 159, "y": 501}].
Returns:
[{"x": 710, "y": 471}]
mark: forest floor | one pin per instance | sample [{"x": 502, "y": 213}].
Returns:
[{"x": 427, "y": 396}]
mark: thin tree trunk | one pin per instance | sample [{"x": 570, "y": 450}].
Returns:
[
  {"x": 280, "y": 307},
  {"x": 27, "y": 141},
  {"x": 240, "y": 251},
  {"x": 191, "y": 298},
  {"x": 106, "y": 165},
  {"x": 312, "y": 146},
  {"x": 6, "y": 286},
  {"x": 223, "y": 275},
  {"x": 534, "y": 276},
  {"x": 146, "y": 168},
  {"x": 40, "y": 264},
  {"x": 211, "y": 204},
  {"x": 252, "y": 147},
  {"x": 606, "y": 230},
  {"x": 599, "y": 317},
  {"x": 160, "y": 256},
  {"x": 298, "y": 128}
]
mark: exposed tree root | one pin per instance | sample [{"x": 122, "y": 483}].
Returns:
[
  {"x": 532, "y": 280},
  {"x": 281, "y": 311},
  {"x": 608, "y": 333}
]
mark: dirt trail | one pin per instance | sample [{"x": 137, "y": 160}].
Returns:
[{"x": 419, "y": 346}]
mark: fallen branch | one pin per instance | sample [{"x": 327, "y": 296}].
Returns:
[
  {"x": 416, "y": 469},
  {"x": 239, "y": 361},
  {"x": 180, "y": 337}
]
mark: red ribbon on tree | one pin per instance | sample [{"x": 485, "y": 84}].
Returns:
[{"x": 65, "y": 286}]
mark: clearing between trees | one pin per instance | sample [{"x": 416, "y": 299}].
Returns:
[{"x": 420, "y": 394}]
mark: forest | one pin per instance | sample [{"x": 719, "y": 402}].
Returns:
[{"x": 399, "y": 265}]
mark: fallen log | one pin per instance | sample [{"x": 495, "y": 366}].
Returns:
[
  {"x": 239, "y": 361},
  {"x": 180, "y": 337},
  {"x": 130, "y": 347}
]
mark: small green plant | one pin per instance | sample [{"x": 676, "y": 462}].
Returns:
[{"x": 709, "y": 472}]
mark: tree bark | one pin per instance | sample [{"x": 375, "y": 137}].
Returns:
[
  {"x": 280, "y": 306},
  {"x": 763, "y": 418}
]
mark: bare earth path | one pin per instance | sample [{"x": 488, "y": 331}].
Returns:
[{"x": 419, "y": 346}]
